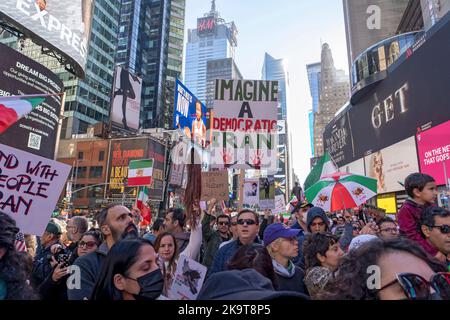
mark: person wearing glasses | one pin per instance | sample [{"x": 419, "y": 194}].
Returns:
[
  {"x": 281, "y": 243},
  {"x": 247, "y": 228},
  {"x": 212, "y": 239},
  {"x": 388, "y": 229},
  {"x": 54, "y": 288},
  {"x": 435, "y": 227},
  {"x": 396, "y": 269}
]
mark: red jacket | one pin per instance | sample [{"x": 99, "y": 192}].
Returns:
[{"x": 408, "y": 221}]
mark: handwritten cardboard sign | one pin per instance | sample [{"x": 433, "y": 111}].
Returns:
[
  {"x": 30, "y": 186},
  {"x": 188, "y": 279},
  {"x": 215, "y": 185}
]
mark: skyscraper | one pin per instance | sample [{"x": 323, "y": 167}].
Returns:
[
  {"x": 219, "y": 69},
  {"x": 313, "y": 71},
  {"x": 367, "y": 22},
  {"x": 150, "y": 44},
  {"x": 276, "y": 69},
  {"x": 213, "y": 39},
  {"x": 87, "y": 101},
  {"x": 334, "y": 93}
]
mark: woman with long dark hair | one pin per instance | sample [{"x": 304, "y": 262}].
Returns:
[
  {"x": 14, "y": 275},
  {"x": 129, "y": 272},
  {"x": 389, "y": 270}
]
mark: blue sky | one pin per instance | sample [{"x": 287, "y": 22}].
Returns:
[{"x": 290, "y": 29}]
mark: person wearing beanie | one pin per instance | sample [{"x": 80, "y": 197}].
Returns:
[
  {"x": 14, "y": 284},
  {"x": 281, "y": 243}
]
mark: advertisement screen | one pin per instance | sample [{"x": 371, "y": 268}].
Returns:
[
  {"x": 157, "y": 151},
  {"x": 126, "y": 106},
  {"x": 392, "y": 165},
  {"x": 122, "y": 152},
  {"x": 433, "y": 147},
  {"x": 339, "y": 140},
  {"x": 412, "y": 95},
  {"x": 64, "y": 25},
  {"x": 356, "y": 167},
  {"x": 206, "y": 25},
  {"x": 36, "y": 132},
  {"x": 387, "y": 202},
  {"x": 190, "y": 115}
]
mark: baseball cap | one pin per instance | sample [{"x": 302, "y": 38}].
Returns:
[
  {"x": 278, "y": 230},
  {"x": 53, "y": 228}
]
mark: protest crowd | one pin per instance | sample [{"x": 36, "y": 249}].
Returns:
[{"x": 357, "y": 254}]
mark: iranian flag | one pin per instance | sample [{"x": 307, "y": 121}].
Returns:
[
  {"x": 140, "y": 173},
  {"x": 323, "y": 168},
  {"x": 12, "y": 108},
  {"x": 141, "y": 203}
]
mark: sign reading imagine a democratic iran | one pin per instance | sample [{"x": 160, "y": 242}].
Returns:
[
  {"x": 30, "y": 186},
  {"x": 245, "y": 127}
]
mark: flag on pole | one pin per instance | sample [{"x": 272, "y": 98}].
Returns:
[
  {"x": 292, "y": 203},
  {"x": 142, "y": 205},
  {"x": 20, "y": 243},
  {"x": 140, "y": 173},
  {"x": 323, "y": 168},
  {"x": 12, "y": 108}
]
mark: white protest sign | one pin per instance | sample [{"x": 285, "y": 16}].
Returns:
[
  {"x": 245, "y": 131},
  {"x": 280, "y": 204},
  {"x": 30, "y": 186},
  {"x": 251, "y": 192},
  {"x": 188, "y": 279}
]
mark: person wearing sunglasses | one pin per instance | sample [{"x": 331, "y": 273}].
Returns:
[
  {"x": 397, "y": 269},
  {"x": 247, "y": 228},
  {"x": 89, "y": 242},
  {"x": 281, "y": 243},
  {"x": 435, "y": 228}
]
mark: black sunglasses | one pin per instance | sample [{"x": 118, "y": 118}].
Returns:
[
  {"x": 445, "y": 229},
  {"x": 416, "y": 287},
  {"x": 223, "y": 223},
  {"x": 249, "y": 222}
]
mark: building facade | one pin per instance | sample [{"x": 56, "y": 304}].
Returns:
[
  {"x": 150, "y": 45},
  {"x": 213, "y": 39},
  {"x": 88, "y": 100},
  {"x": 313, "y": 71},
  {"x": 368, "y": 22},
  {"x": 219, "y": 69},
  {"x": 334, "y": 93},
  {"x": 276, "y": 69}
]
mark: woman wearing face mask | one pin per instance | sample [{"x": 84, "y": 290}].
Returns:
[
  {"x": 129, "y": 272},
  {"x": 405, "y": 272},
  {"x": 166, "y": 247}
]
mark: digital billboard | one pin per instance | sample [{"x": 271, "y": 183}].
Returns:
[
  {"x": 390, "y": 166},
  {"x": 64, "y": 25},
  {"x": 36, "y": 132},
  {"x": 190, "y": 115},
  {"x": 433, "y": 147},
  {"x": 206, "y": 25},
  {"x": 126, "y": 105},
  {"x": 414, "y": 94}
]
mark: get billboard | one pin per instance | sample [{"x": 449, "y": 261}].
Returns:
[{"x": 63, "y": 25}]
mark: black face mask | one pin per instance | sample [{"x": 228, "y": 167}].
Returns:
[{"x": 151, "y": 284}]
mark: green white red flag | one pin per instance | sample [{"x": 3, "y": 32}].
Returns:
[
  {"x": 323, "y": 168},
  {"x": 142, "y": 205},
  {"x": 12, "y": 108},
  {"x": 140, "y": 173}
]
